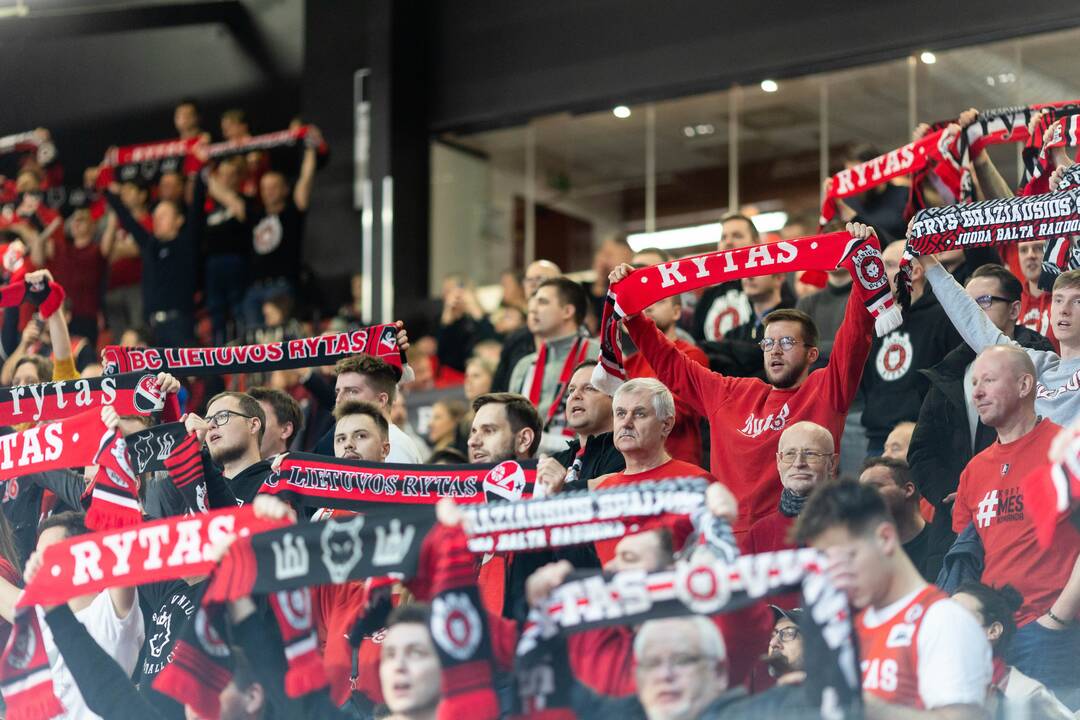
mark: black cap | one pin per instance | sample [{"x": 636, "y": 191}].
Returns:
[{"x": 794, "y": 616}]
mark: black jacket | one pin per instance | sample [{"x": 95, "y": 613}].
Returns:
[
  {"x": 600, "y": 458},
  {"x": 941, "y": 445},
  {"x": 519, "y": 344}
]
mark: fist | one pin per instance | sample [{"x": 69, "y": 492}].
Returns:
[
  {"x": 540, "y": 584},
  {"x": 860, "y": 230},
  {"x": 402, "y": 336},
  {"x": 551, "y": 474},
  {"x": 167, "y": 384},
  {"x": 721, "y": 502}
]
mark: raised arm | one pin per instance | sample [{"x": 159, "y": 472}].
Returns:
[
  {"x": 227, "y": 197},
  {"x": 302, "y": 190},
  {"x": 974, "y": 326},
  {"x": 125, "y": 218}
]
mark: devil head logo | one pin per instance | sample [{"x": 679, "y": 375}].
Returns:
[{"x": 341, "y": 547}]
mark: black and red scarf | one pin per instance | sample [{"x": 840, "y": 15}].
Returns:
[
  {"x": 645, "y": 286},
  {"x": 378, "y": 340},
  {"x": 319, "y": 481},
  {"x": 29, "y": 142},
  {"x": 130, "y": 394},
  {"x": 47, "y": 296},
  {"x": 576, "y": 356},
  {"x": 25, "y": 679}
]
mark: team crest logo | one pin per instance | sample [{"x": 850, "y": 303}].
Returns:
[
  {"x": 148, "y": 397},
  {"x": 870, "y": 268},
  {"x": 389, "y": 338},
  {"x": 455, "y": 625},
  {"x": 341, "y": 547},
  {"x": 1004, "y": 469},
  {"x": 296, "y": 607},
  {"x": 894, "y": 358},
  {"x": 700, "y": 588},
  {"x": 266, "y": 237},
  {"x": 506, "y": 480},
  {"x": 208, "y": 637}
]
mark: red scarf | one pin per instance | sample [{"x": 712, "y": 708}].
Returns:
[
  {"x": 576, "y": 355},
  {"x": 114, "y": 494},
  {"x": 305, "y": 672},
  {"x": 1052, "y": 493},
  {"x": 46, "y": 296},
  {"x": 25, "y": 679},
  {"x": 129, "y": 394},
  {"x": 74, "y": 442},
  {"x": 646, "y": 286}
]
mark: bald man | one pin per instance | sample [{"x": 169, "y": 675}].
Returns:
[
  {"x": 990, "y": 496},
  {"x": 520, "y": 343},
  {"x": 805, "y": 458}
]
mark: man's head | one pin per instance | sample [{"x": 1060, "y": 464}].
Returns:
[
  {"x": 665, "y": 313},
  {"x": 650, "y": 256},
  {"x": 763, "y": 289},
  {"x": 28, "y": 180},
  {"x": 168, "y": 219},
  {"x": 738, "y": 231},
  {"x": 789, "y": 346},
  {"x": 186, "y": 117},
  {"x": 997, "y": 292},
  {"x": 649, "y": 551},
  {"x": 230, "y": 172},
  {"x": 361, "y": 432},
  {"x": 588, "y": 408},
  {"x": 899, "y": 440},
  {"x": 557, "y": 308},
  {"x": 367, "y": 378},
  {"x": 786, "y": 643},
  {"x": 59, "y": 527},
  {"x": 479, "y": 374},
  {"x": 243, "y": 698},
  {"x": 611, "y": 253},
  {"x": 1030, "y": 256},
  {"x": 681, "y": 667},
  {"x": 805, "y": 457},
  {"x": 994, "y": 608},
  {"x": 891, "y": 255},
  {"x": 852, "y": 525},
  {"x": 171, "y": 188},
  {"x": 1003, "y": 385},
  {"x": 31, "y": 370},
  {"x": 1065, "y": 308},
  {"x": 537, "y": 273},
  {"x": 409, "y": 669},
  {"x": 892, "y": 478},
  {"x": 81, "y": 225},
  {"x": 284, "y": 419},
  {"x": 236, "y": 422},
  {"x": 134, "y": 195},
  {"x": 505, "y": 426},
  {"x": 273, "y": 189},
  {"x": 644, "y": 415},
  {"x": 234, "y": 124}
]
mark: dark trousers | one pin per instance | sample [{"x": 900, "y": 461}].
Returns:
[
  {"x": 1050, "y": 657},
  {"x": 226, "y": 283}
]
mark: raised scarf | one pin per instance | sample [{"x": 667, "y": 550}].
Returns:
[
  {"x": 590, "y": 599},
  {"x": 558, "y": 403},
  {"x": 47, "y": 296},
  {"x": 114, "y": 493},
  {"x": 44, "y": 150},
  {"x": 25, "y": 679},
  {"x": 645, "y": 286},
  {"x": 149, "y": 449},
  {"x": 357, "y": 485},
  {"x": 1052, "y": 493},
  {"x": 167, "y": 549},
  {"x": 378, "y": 340},
  {"x": 578, "y": 517},
  {"x": 73, "y": 442},
  {"x": 130, "y": 394}
]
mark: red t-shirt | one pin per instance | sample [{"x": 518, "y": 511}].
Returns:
[
  {"x": 684, "y": 442},
  {"x": 747, "y": 415},
  {"x": 81, "y": 271},
  {"x": 990, "y": 495},
  {"x": 1035, "y": 315},
  {"x": 679, "y": 525}
]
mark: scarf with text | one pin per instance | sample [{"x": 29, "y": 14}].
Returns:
[
  {"x": 46, "y": 296},
  {"x": 25, "y": 679},
  {"x": 1052, "y": 493},
  {"x": 591, "y": 599},
  {"x": 579, "y": 517},
  {"x": 645, "y": 286},
  {"x": 74, "y": 442},
  {"x": 988, "y": 223},
  {"x": 323, "y": 482},
  {"x": 292, "y": 137},
  {"x": 1061, "y": 253},
  {"x": 167, "y": 549},
  {"x": 1064, "y": 133},
  {"x": 130, "y": 394},
  {"x": 378, "y": 340}
]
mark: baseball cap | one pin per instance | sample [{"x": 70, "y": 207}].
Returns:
[{"x": 794, "y": 616}]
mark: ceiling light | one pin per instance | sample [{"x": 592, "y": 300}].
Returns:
[
  {"x": 708, "y": 234},
  {"x": 705, "y": 129},
  {"x": 689, "y": 131},
  {"x": 769, "y": 86},
  {"x": 928, "y": 57},
  {"x": 768, "y": 222},
  {"x": 621, "y": 111}
]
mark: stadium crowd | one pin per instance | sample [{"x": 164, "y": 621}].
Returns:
[{"x": 918, "y": 463}]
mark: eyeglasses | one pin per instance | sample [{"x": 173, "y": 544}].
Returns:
[
  {"x": 812, "y": 457},
  {"x": 786, "y": 343},
  {"x": 221, "y": 417},
  {"x": 985, "y": 301},
  {"x": 675, "y": 662},
  {"x": 786, "y": 634}
]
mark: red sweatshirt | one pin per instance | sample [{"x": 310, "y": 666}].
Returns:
[
  {"x": 747, "y": 415},
  {"x": 684, "y": 442}
]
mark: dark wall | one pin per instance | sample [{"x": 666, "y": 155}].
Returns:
[{"x": 494, "y": 62}]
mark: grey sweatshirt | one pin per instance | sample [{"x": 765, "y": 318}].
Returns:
[{"x": 1057, "y": 392}]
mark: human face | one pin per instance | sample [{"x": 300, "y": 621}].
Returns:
[
  {"x": 171, "y": 188},
  {"x": 186, "y": 119},
  {"x": 1065, "y": 315},
  {"x": 537, "y": 273},
  {"x": 357, "y": 437},
  {"x": 588, "y": 409},
  {"x": 803, "y": 474},
  {"x": 228, "y": 174},
  {"x": 859, "y": 564},
  {"x": 130, "y": 338},
  {"x": 132, "y": 196},
  {"x": 898, "y": 441},
  {"x": 229, "y": 442},
  {"x": 641, "y": 551},
  {"x": 737, "y": 233},
  {"x": 442, "y": 423},
  {"x": 762, "y": 288},
  {"x": 237, "y": 704},
  {"x": 167, "y": 220},
  {"x": 1030, "y": 255},
  {"x": 82, "y": 227},
  {"x": 27, "y": 374},
  {"x": 881, "y": 479},
  {"x": 1002, "y": 313},
  {"x": 27, "y": 182},
  {"x": 273, "y": 189},
  {"x": 787, "y": 368},
  {"x": 272, "y": 442},
  {"x": 890, "y": 257},
  {"x": 547, "y": 314},
  {"x": 490, "y": 439},
  {"x": 676, "y": 680},
  {"x": 995, "y": 390},
  {"x": 637, "y": 428},
  {"x": 354, "y": 386},
  {"x": 665, "y": 313},
  {"x": 409, "y": 670},
  {"x": 646, "y": 257},
  {"x": 477, "y": 381},
  {"x": 785, "y": 655}
]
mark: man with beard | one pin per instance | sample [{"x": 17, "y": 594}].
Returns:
[
  {"x": 232, "y": 431},
  {"x": 737, "y": 353},
  {"x": 785, "y": 656},
  {"x": 747, "y": 415}
]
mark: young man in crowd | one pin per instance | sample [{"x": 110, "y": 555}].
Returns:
[
  {"x": 747, "y": 415},
  {"x": 521, "y": 343},
  {"x": 924, "y": 543},
  {"x": 233, "y": 432},
  {"x": 805, "y": 458},
  {"x": 990, "y": 496},
  {"x": 949, "y": 432},
  {"x": 186, "y": 120},
  {"x": 738, "y": 353},
  {"x": 923, "y": 656},
  {"x": 556, "y": 313},
  {"x": 284, "y": 420},
  {"x": 226, "y": 245}
]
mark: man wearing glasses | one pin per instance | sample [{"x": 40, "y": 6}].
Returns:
[
  {"x": 785, "y": 656},
  {"x": 232, "y": 431},
  {"x": 747, "y": 415}
]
